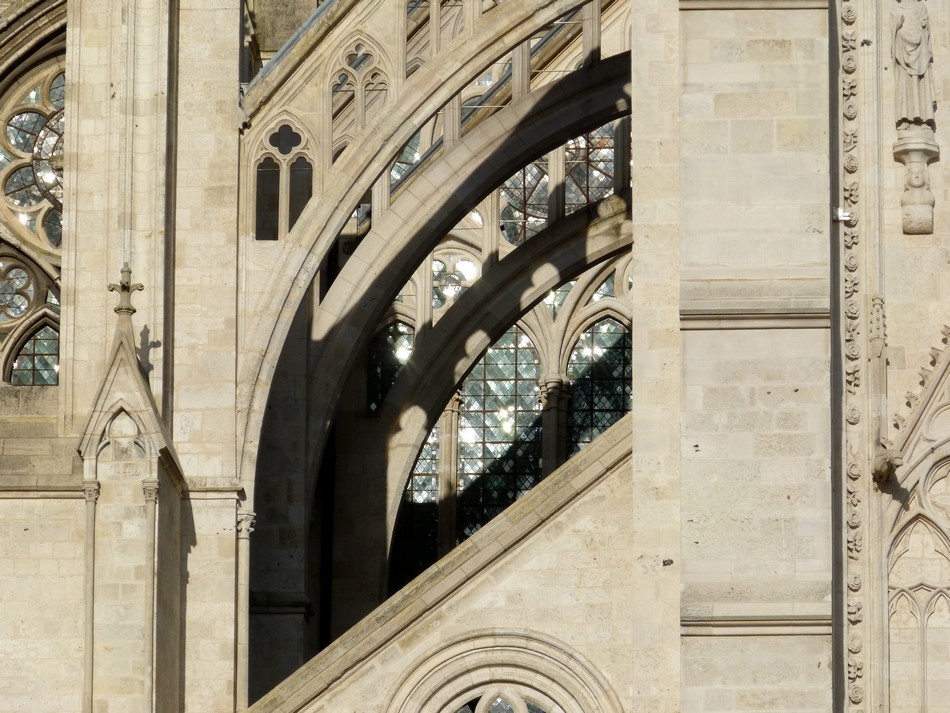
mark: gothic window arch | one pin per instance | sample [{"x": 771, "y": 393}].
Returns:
[
  {"x": 283, "y": 182},
  {"x": 34, "y": 361},
  {"x": 359, "y": 89},
  {"x": 31, "y": 157},
  {"x": 29, "y": 322}
]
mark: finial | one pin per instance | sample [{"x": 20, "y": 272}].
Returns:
[{"x": 125, "y": 288}]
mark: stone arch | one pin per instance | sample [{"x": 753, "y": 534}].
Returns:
[
  {"x": 482, "y": 660},
  {"x": 122, "y": 435},
  {"x": 32, "y": 33},
  {"x": 462, "y": 340},
  {"x": 479, "y": 162}
]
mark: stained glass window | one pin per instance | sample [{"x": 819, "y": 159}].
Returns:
[
  {"x": 601, "y": 372},
  {"x": 388, "y": 352},
  {"x": 37, "y": 363},
  {"x": 499, "y": 449},
  {"x": 589, "y": 168}
]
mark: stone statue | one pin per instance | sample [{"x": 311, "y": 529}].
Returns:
[{"x": 913, "y": 55}]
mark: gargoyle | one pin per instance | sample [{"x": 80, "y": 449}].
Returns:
[{"x": 886, "y": 463}]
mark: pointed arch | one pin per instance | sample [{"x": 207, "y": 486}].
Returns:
[
  {"x": 121, "y": 436},
  {"x": 584, "y": 322},
  {"x": 32, "y": 353}
]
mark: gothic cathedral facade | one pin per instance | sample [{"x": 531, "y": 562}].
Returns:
[{"x": 474, "y": 356}]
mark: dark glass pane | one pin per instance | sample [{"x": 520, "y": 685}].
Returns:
[
  {"x": 388, "y": 351},
  {"x": 268, "y": 199},
  {"x": 301, "y": 188}
]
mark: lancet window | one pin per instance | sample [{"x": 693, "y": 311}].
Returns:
[{"x": 283, "y": 183}]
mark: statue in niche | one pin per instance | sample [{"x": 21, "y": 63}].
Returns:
[
  {"x": 916, "y": 145},
  {"x": 913, "y": 55}
]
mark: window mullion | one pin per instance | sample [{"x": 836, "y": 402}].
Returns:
[{"x": 448, "y": 474}]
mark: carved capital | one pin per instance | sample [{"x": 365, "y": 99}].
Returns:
[
  {"x": 554, "y": 393},
  {"x": 90, "y": 489},
  {"x": 150, "y": 488},
  {"x": 245, "y": 524}
]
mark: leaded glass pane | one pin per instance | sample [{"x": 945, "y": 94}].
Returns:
[
  {"x": 38, "y": 361},
  {"x": 499, "y": 456},
  {"x": 525, "y": 202},
  {"x": 57, "y": 91},
  {"x": 53, "y": 224},
  {"x": 533, "y": 708},
  {"x": 16, "y": 292},
  {"x": 500, "y": 705},
  {"x": 20, "y": 188},
  {"x": 23, "y": 128},
  {"x": 601, "y": 371},
  {"x": 589, "y": 167},
  {"x": 388, "y": 352}
]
